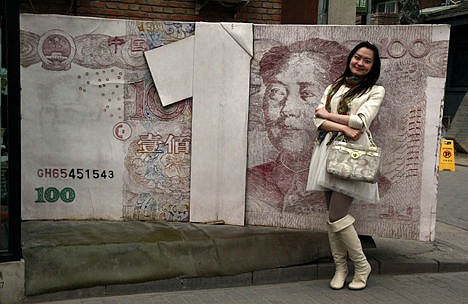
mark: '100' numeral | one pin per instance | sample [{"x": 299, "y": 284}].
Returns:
[{"x": 52, "y": 195}]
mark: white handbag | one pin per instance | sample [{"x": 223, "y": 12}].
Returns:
[{"x": 354, "y": 161}]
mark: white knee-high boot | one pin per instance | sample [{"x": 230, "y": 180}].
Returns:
[
  {"x": 347, "y": 234},
  {"x": 339, "y": 254}
]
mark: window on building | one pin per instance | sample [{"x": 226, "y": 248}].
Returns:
[{"x": 387, "y": 7}]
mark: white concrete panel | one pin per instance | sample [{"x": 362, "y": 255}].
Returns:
[
  {"x": 432, "y": 140},
  {"x": 69, "y": 109},
  {"x": 242, "y": 34},
  {"x": 171, "y": 67},
  {"x": 435, "y": 96},
  {"x": 219, "y": 125}
]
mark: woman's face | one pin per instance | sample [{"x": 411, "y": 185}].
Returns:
[
  {"x": 289, "y": 102},
  {"x": 362, "y": 61}
]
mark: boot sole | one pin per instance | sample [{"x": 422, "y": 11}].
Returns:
[
  {"x": 357, "y": 289},
  {"x": 344, "y": 284},
  {"x": 337, "y": 288}
]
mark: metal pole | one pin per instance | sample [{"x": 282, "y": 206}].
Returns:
[{"x": 369, "y": 12}]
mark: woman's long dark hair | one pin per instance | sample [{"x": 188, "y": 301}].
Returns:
[{"x": 370, "y": 79}]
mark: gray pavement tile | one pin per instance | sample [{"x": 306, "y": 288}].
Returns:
[
  {"x": 194, "y": 299},
  {"x": 238, "y": 296}
]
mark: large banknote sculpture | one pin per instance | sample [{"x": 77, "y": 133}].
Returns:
[
  {"x": 97, "y": 142},
  {"x": 291, "y": 68}
]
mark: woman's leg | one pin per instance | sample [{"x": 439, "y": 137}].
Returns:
[
  {"x": 337, "y": 205},
  {"x": 342, "y": 228},
  {"x": 327, "y": 198}
]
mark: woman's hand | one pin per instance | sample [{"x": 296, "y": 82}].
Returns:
[
  {"x": 337, "y": 122},
  {"x": 321, "y": 113},
  {"x": 352, "y": 133}
]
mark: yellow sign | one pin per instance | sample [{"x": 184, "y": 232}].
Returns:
[{"x": 447, "y": 155}]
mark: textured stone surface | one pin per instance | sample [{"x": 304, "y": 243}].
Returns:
[
  {"x": 291, "y": 67},
  {"x": 62, "y": 255}
]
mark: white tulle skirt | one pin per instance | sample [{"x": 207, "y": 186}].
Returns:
[{"x": 320, "y": 180}]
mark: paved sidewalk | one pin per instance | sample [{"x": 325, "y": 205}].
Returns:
[
  {"x": 438, "y": 288},
  {"x": 461, "y": 159}
]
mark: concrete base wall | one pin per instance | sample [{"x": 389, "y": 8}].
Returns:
[{"x": 12, "y": 279}]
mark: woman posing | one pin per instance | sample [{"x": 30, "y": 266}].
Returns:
[{"x": 347, "y": 106}]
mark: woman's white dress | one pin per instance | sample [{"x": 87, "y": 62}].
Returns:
[{"x": 363, "y": 107}]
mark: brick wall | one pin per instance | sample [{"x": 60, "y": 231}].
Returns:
[
  {"x": 256, "y": 11},
  {"x": 385, "y": 19},
  {"x": 430, "y": 3}
]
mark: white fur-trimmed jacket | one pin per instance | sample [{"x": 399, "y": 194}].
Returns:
[{"x": 366, "y": 106}]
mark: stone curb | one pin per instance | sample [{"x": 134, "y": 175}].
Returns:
[{"x": 317, "y": 271}]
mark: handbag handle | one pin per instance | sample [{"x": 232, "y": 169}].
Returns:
[
  {"x": 369, "y": 134},
  {"x": 344, "y": 138}
]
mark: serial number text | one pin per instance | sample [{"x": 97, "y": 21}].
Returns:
[{"x": 75, "y": 173}]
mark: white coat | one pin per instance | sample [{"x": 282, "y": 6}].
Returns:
[{"x": 365, "y": 106}]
